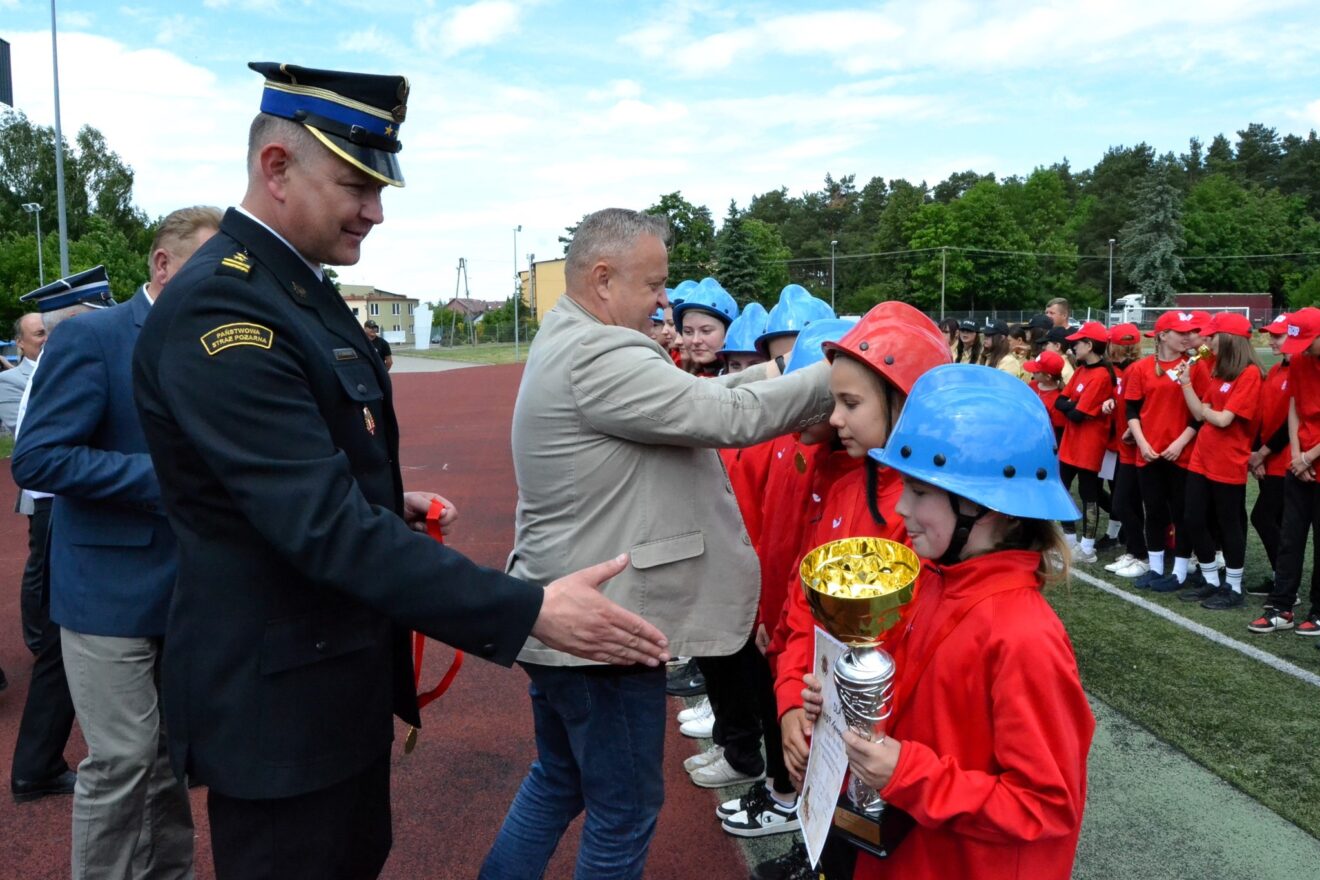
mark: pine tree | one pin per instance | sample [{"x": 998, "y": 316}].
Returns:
[
  {"x": 1149, "y": 243},
  {"x": 738, "y": 266}
]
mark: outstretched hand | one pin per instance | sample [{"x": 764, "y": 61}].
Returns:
[{"x": 577, "y": 619}]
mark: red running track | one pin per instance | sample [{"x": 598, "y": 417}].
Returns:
[{"x": 451, "y": 793}]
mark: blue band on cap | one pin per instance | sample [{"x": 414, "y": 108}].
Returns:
[{"x": 287, "y": 105}]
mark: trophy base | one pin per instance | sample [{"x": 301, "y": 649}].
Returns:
[{"x": 877, "y": 836}]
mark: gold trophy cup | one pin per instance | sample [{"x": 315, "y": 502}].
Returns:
[{"x": 857, "y": 588}]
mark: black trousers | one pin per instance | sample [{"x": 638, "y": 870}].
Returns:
[
  {"x": 1267, "y": 516},
  {"x": 1164, "y": 494},
  {"x": 34, "y": 611},
  {"x": 739, "y": 686},
  {"x": 1222, "y": 503},
  {"x": 1301, "y": 514},
  {"x": 336, "y": 833},
  {"x": 47, "y": 720},
  {"x": 1127, "y": 509}
]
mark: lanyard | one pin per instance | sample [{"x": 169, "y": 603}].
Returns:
[{"x": 424, "y": 698}]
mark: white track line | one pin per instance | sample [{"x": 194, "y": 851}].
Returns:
[{"x": 1215, "y": 636}]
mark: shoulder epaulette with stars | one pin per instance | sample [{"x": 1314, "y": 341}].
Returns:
[{"x": 237, "y": 264}]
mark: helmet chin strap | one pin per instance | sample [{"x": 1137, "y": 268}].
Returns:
[{"x": 962, "y": 530}]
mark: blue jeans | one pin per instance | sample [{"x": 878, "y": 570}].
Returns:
[{"x": 600, "y": 736}]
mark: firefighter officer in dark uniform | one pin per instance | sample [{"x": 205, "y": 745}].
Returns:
[{"x": 301, "y": 567}]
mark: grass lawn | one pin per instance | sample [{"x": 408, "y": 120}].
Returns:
[
  {"x": 1249, "y": 724},
  {"x": 482, "y": 353},
  {"x": 6, "y": 446}
]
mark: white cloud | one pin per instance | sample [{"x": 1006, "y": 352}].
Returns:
[
  {"x": 372, "y": 41},
  {"x": 467, "y": 27},
  {"x": 174, "y": 29},
  {"x": 73, "y": 20}
]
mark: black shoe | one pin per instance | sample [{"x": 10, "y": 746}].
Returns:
[
  {"x": 25, "y": 791},
  {"x": 685, "y": 681},
  {"x": 1264, "y": 588},
  {"x": 792, "y": 865},
  {"x": 1224, "y": 599},
  {"x": 1194, "y": 577},
  {"x": 1104, "y": 542},
  {"x": 1168, "y": 583},
  {"x": 1196, "y": 592}
]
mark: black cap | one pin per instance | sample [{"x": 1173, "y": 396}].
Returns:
[
  {"x": 1040, "y": 322},
  {"x": 356, "y": 115},
  {"x": 1059, "y": 335},
  {"x": 371, "y": 323},
  {"x": 89, "y": 288},
  {"x": 995, "y": 328},
  {"x": 968, "y": 326}
]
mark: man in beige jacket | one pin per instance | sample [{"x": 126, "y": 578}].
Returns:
[{"x": 611, "y": 446}]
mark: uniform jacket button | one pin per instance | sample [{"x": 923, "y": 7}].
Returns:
[
  {"x": 362, "y": 389},
  {"x": 746, "y": 538},
  {"x": 321, "y": 645}
]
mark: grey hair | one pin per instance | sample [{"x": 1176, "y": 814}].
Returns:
[
  {"x": 608, "y": 232},
  {"x": 18, "y": 325},
  {"x": 269, "y": 129},
  {"x": 51, "y": 319}
]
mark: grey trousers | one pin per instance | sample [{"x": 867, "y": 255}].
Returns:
[{"x": 131, "y": 816}]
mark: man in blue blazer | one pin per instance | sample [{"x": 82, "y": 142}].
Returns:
[{"x": 112, "y": 564}]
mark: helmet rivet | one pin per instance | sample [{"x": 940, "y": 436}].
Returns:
[
  {"x": 906, "y": 452},
  {"x": 889, "y": 360},
  {"x": 1040, "y": 473},
  {"x": 864, "y": 346},
  {"x": 1009, "y": 470},
  {"x": 939, "y": 459}
]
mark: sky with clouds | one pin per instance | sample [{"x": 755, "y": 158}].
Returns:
[{"x": 535, "y": 112}]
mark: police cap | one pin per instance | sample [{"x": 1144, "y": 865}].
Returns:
[{"x": 90, "y": 288}]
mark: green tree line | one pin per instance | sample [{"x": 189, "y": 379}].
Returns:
[
  {"x": 1188, "y": 222},
  {"x": 104, "y": 225}
]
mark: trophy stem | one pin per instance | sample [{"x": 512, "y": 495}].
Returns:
[{"x": 864, "y": 677}]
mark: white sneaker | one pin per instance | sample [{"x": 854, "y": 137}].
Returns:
[
  {"x": 698, "y": 728},
  {"x": 721, "y": 773},
  {"x": 1135, "y": 568},
  {"x": 705, "y": 759},
  {"x": 692, "y": 713},
  {"x": 1121, "y": 562},
  {"x": 1080, "y": 555}
]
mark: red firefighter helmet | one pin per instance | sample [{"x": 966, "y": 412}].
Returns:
[{"x": 897, "y": 341}]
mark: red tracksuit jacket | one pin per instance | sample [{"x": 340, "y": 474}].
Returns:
[{"x": 994, "y": 731}]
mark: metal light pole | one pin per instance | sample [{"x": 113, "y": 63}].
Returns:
[
  {"x": 517, "y": 291},
  {"x": 35, "y": 210},
  {"x": 59, "y": 150},
  {"x": 833, "y": 245},
  {"x": 1109, "y": 316},
  {"x": 944, "y": 255}
]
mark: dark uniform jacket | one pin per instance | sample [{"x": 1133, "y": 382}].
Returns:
[{"x": 271, "y": 424}]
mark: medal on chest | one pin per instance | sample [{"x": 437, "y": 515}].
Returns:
[
  {"x": 800, "y": 462},
  {"x": 369, "y": 421}
]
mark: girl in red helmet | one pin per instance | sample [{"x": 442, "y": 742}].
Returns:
[
  {"x": 1124, "y": 351},
  {"x": 872, "y": 368}
]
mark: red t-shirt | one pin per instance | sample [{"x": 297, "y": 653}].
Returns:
[
  {"x": 1057, "y": 419},
  {"x": 994, "y": 733},
  {"x": 1084, "y": 442},
  {"x": 1164, "y": 414},
  {"x": 844, "y": 513},
  {"x": 1127, "y": 450},
  {"x": 1221, "y": 453},
  {"x": 1274, "y": 415},
  {"x": 1304, "y": 377}
]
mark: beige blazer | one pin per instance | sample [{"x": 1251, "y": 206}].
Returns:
[{"x": 615, "y": 450}]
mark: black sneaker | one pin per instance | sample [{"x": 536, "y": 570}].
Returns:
[
  {"x": 685, "y": 681},
  {"x": 1264, "y": 588},
  {"x": 1168, "y": 583},
  {"x": 1224, "y": 599},
  {"x": 1104, "y": 542},
  {"x": 792, "y": 865},
  {"x": 1196, "y": 592},
  {"x": 735, "y": 805},
  {"x": 762, "y": 816}
]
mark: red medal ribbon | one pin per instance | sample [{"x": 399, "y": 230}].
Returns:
[{"x": 424, "y": 698}]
